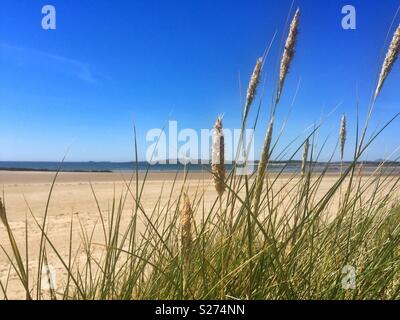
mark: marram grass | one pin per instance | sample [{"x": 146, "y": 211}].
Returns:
[
  {"x": 342, "y": 135},
  {"x": 252, "y": 88},
  {"x": 264, "y": 237},
  {"x": 218, "y": 157},
  {"x": 390, "y": 59},
  {"x": 289, "y": 51}
]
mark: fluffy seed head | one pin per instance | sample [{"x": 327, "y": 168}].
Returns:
[
  {"x": 262, "y": 165},
  {"x": 288, "y": 53},
  {"x": 342, "y": 135},
  {"x": 252, "y": 89},
  {"x": 305, "y": 156},
  {"x": 3, "y": 215},
  {"x": 218, "y": 157},
  {"x": 390, "y": 59},
  {"x": 186, "y": 215}
]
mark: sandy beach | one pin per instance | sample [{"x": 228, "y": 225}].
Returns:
[
  {"x": 204, "y": 151},
  {"x": 26, "y": 193}
]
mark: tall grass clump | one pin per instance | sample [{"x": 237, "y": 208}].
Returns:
[{"x": 285, "y": 234}]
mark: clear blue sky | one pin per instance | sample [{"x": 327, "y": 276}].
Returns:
[{"x": 111, "y": 62}]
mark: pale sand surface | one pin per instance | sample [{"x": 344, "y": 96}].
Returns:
[{"x": 72, "y": 196}]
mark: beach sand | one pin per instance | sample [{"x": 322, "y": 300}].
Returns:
[
  {"x": 26, "y": 192},
  {"x": 72, "y": 196}
]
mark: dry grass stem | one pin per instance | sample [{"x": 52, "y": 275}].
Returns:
[
  {"x": 305, "y": 156},
  {"x": 262, "y": 166},
  {"x": 3, "y": 215}
]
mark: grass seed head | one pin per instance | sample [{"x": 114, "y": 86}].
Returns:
[
  {"x": 288, "y": 53},
  {"x": 342, "y": 135},
  {"x": 186, "y": 226},
  {"x": 262, "y": 165},
  {"x": 390, "y": 59},
  {"x": 253, "y": 84},
  {"x": 218, "y": 158}
]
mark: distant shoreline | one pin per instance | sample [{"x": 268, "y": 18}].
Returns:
[
  {"x": 289, "y": 166},
  {"x": 51, "y": 170}
]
